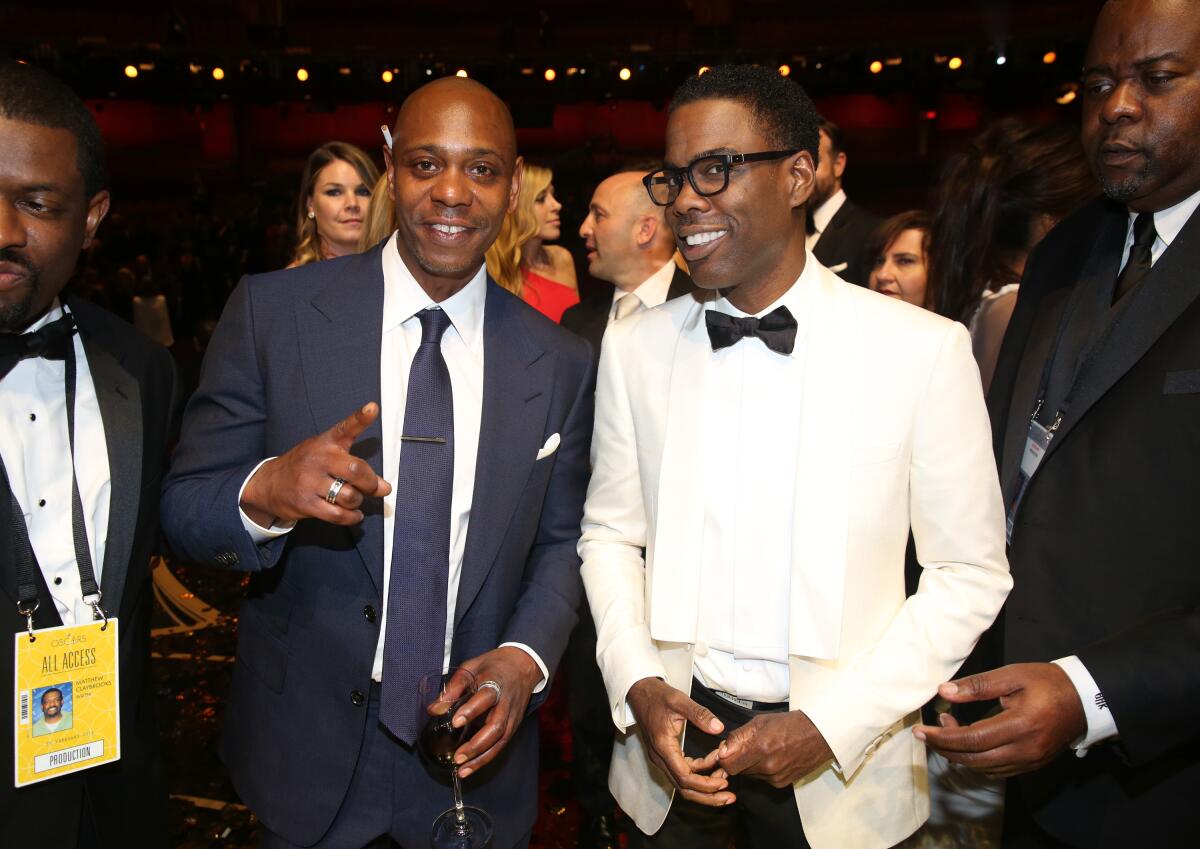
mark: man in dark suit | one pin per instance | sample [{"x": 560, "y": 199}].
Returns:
[
  {"x": 837, "y": 229},
  {"x": 1095, "y": 414},
  {"x": 630, "y": 246},
  {"x": 52, "y": 199},
  {"x": 436, "y": 528}
]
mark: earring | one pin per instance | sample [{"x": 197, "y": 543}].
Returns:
[{"x": 311, "y": 214}]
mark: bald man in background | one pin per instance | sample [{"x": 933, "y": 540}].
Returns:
[
  {"x": 431, "y": 521},
  {"x": 629, "y": 246}
]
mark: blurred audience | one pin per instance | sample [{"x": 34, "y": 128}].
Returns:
[
  {"x": 897, "y": 254},
  {"x": 335, "y": 197},
  {"x": 837, "y": 228},
  {"x": 993, "y": 203},
  {"x": 521, "y": 261},
  {"x": 381, "y": 216}
]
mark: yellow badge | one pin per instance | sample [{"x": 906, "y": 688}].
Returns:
[{"x": 66, "y": 716}]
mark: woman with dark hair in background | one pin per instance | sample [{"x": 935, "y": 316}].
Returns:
[
  {"x": 897, "y": 256},
  {"x": 335, "y": 196},
  {"x": 994, "y": 203}
]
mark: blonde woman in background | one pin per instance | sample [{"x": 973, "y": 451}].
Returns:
[
  {"x": 542, "y": 275},
  {"x": 381, "y": 216},
  {"x": 335, "y": 196}
]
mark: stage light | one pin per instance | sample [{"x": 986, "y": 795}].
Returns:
[
  {"x": 302, "y": 74},
  {"x": 461, "y": 72},
  {"x": 1049, "y": 57},
  {"x": 387, "y": 76},
  {"x": 1001, "y": 59},
  {"x": 931, "y": 115},
  {"x": 550, "y": 75},
  {"x": 894, "y": 61},
  {"x": 194, "y": 68},
  {"x": 344, "y": 71},
  {"x": 218, "y": 73},
  {"x": 572, "y": 72},
  {"x": 429, "y": 72},
  {"x": 876, "y": 67},
  {"x": 955, "y": 63},
  {"x": 785, "y": 70},
  {"x": 625, "y": 74},
  {"x": 1067, "y": 94},
  {"x": 704, "y": 69},
  {"x": 131, "y": 71}
]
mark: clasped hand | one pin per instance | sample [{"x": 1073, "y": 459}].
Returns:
[
  {"x": 295, "y": 485},
  {"x": 778, "y": 748}
]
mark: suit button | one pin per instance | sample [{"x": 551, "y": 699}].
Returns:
[
  {"x": 369, "y": 613},
  {"x": 357, "y": 698}
]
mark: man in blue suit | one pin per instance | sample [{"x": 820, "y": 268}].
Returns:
[{"x": 434, "y": 528}]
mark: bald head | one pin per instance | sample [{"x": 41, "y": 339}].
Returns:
[
  {"x": 452, "y": 99},
  {"x": 453, "y": 172},
  {"x": 625, "y": 233}
]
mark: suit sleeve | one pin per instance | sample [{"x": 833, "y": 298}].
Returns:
[
  {"x": 958, "y": 524},
  {"x": 547, "y": 608},
  {"x": 1147, "y": 675},
  {"x": 222, "y": 440},
  {"x": 614, "y": 537}
]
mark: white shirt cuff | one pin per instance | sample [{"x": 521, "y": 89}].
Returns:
[
  {"x": 257, "y": 532},
  {"x": 1100, "y": 723},
  {"x": 541, "y": 685}
]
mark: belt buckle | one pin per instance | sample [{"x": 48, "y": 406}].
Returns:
[{"x": 732, "y": 699}]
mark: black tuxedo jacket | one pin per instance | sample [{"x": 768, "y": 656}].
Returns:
[
  {"x": 589, "y": 317},
  {"x": 844, "y": 240},
  {"x": 1104, "y": 550},
  {"x": 137, "y": 390}
]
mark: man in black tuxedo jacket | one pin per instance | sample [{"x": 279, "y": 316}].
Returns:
[
  {"x": 52, "y": 199},
  {"x": 630, "y": 246},
  {"x": 838, "y": 230},
  {"x": 1102, "y": 362}
]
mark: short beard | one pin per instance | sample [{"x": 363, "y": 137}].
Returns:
[
  {"x": 1128, "y": 188},
  {"x": 445, "y": 270},
  {"x": 14, "y": 318}
]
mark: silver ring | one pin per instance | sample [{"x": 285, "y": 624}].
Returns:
[
  {"x": 491, "y": 685},
  {"x": 334, "y": 489}
]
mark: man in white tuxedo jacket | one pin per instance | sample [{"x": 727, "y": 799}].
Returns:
[{"x": 759, "y": 458}]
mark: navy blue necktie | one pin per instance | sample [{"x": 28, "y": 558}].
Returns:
[{"x": 416, "y": 615}]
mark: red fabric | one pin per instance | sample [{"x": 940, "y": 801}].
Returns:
[{"x": 549, "y": 298}]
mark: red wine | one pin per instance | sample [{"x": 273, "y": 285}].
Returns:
[{"x": 439, "y": 739}]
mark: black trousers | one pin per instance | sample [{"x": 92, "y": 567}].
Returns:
[
  {"x": 591, "y": 722},
  {"x": 763, "y": 817}
]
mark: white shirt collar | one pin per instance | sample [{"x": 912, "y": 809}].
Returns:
[
  {"x": 55, "y": 312},
  {"x": 1168, "y": 222},
  {"x": 403, "y": 298},
  {"x": 823, "y": 214},
  {"x": 794, "y": 298},
  {"x": 653, "y": 290}
]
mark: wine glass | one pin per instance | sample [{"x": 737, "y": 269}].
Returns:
[{"x": 441, "y": 695}]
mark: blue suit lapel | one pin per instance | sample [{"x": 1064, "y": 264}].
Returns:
[
  {"x": 517, "y": 382},
  {"x": 340, "y": 331}
]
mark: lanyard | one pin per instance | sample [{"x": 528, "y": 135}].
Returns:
[
  {"x": 1110, "y": 321},
  {"x": 26, "y": 560}
]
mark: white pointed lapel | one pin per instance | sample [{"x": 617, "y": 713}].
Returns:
[
  {"x": 830, "y": 353},
  {"x": 679, "y": 527}
]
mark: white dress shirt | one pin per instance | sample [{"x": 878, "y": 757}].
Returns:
[
  {"x": 1100, "y": 723},
  {"x": 822, "y": 215},
  {"x": 752, "y": 425},
  {"x": 37, "y": 457},
  {"x": 462, "y": 349},
  {"x": 651, "y": 292}
]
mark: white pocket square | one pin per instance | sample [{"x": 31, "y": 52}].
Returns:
[
  {"x": 839, "y": 268},
  {"x": 550, "y": 447}
]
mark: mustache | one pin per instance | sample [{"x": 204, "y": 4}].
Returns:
[{"x": 9, "y": 255}]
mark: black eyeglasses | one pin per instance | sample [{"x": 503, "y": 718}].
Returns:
[{"x": 709, "y": 175}]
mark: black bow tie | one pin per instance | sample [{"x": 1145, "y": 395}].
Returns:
[
  {"x": 49, "y": 341},
  {"x": 777, "y": 329}
]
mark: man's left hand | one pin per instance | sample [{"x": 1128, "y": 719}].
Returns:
[
  {"x": 517, "y": 675},
  {"x": 780, "y": 748},
  {"x": 1041, "y": 716}
]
